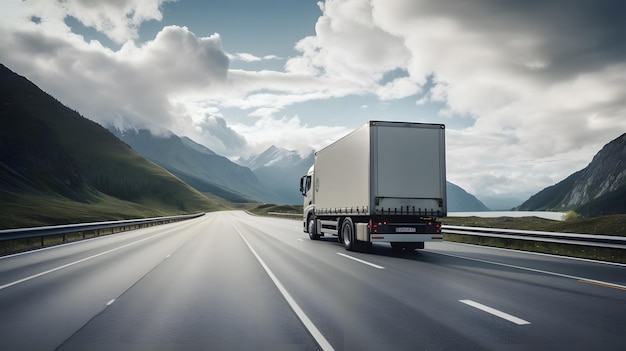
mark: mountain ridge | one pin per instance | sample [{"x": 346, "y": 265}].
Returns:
[
  {"x": 197, "y": 165},
  {"x": 53, "y": 154},
  {"x": 598, "y": 189}
]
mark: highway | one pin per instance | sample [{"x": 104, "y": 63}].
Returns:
[{"x": 232, "y": 281}]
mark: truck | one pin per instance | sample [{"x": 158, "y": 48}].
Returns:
[{"x": 383, "y": 183}]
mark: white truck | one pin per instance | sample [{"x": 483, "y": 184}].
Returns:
[{"x": 384, "y": 182}]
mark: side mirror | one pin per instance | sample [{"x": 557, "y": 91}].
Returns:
[{"x": 302, "y": 186}]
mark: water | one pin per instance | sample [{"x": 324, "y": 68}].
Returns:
[{"x": 557, "y": 216}]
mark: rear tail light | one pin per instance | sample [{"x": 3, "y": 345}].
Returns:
[{"x": 373, "y": 227}]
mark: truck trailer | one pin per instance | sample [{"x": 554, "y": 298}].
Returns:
[{"x": 384, "y": 182}]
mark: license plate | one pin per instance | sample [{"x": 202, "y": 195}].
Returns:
[{"x": 405, "y": 230}]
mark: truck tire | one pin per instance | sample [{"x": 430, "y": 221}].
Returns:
[
  {"x": 311, "y": 228},
  {"x": 348, "y": 234}
]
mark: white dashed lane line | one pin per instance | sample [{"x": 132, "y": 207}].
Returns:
[
  {"x": 361, "y": 261},
  {"x": 495, "y": 312}
]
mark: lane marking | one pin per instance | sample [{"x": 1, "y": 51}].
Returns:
[
  {"x": 594, "y": 282},
  {"x": 300, "y": 239},
  {"x": 586, "y": 280},
  {"x": 495, "y": 312},
  {"x": 110, "y": 302},
  {"x": 543, "y": 254},
  {"x": 77, "y": 262},
  {"x": 317, "y": 335},
  {"x": 168, "y": 256},
  {"x": 360, "y": 260}
]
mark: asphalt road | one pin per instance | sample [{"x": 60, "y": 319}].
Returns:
[{"x": 231, "y": 281}]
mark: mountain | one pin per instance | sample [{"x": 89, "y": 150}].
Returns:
[
  {"x": 272, "y": 157},
  {"x": 460, "y": 200},
  {"x": 51, "y": 154},
  {"x": 598, "y": 189},
  {"x": 198, "y": 166},
  {"x": 280, "y": 170},
  {"x": 197, "y": 147},
  {"x": 501, "y": 202}
]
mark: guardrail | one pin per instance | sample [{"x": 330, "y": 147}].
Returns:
[
  {"x": 85, "y": 228},
  {"x": 604, "y": 241},
  {"x": 285, "y": 214}
]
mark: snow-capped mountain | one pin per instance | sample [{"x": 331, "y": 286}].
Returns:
[
  {"x": 280, "y": 170},
  {"x": 272, "y": 157}
]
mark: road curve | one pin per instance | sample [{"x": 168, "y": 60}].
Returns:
[{"x": 229, "y": 280}]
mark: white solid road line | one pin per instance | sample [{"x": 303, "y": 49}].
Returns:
[
  {"x": 361, "y": 261},
  {"x": 77, "y": 262},
  {"x": 110, "y": 302},
  {"x": 581, "y": 279},
  {"x": 495, "y": 312},
  {"x": 317, "y": 335},
  {"x": 544, "y": 254}
]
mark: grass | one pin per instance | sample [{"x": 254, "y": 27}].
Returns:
[
  {"x": 263, "y": 210},
  {"x": 580, "y": 251}
]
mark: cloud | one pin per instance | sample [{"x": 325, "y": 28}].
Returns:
[
  {"x": 219, "y": 136},
  {"x": 119, "y": 20},
  {"x": 289, "y": 133},
  {"x": 541, "y": 81},
  {"x": 242, "y": 56},
  {"x": 132, "y": 84}
]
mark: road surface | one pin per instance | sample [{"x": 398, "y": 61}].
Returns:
[{"x": 229, "y": 280}]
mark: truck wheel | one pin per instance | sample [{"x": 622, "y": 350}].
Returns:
[
  {"x": 347, "y": 234},
  {"x": 312, "y": 232}
]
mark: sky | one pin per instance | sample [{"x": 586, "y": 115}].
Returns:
[{"x": 529, "y": 90}]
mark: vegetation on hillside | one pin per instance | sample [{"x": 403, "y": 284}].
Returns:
[
  {"x": 265, "y": 209},
  {"x": 59, "y": 167}
]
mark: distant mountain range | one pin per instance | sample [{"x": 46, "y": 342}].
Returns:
[
  {"x": 50, "y": 154},
  {"x": 198, "y": 166},
  {"x": 460, "y": 200},
  {"x": 598, "y": 189},
  {"x": 280, "y": 170}
]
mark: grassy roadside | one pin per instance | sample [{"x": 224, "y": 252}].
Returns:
[
  {"x": 606, "y": 225},
  {"x": 22, "y": 211}
]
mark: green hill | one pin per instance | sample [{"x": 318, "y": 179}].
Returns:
[{"x": 59, "y": 167}]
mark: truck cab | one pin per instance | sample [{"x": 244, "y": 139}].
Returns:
[{"x": 306, "y": 188}]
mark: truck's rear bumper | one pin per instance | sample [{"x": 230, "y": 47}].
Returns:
[{"x": 404, "y": 238}]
